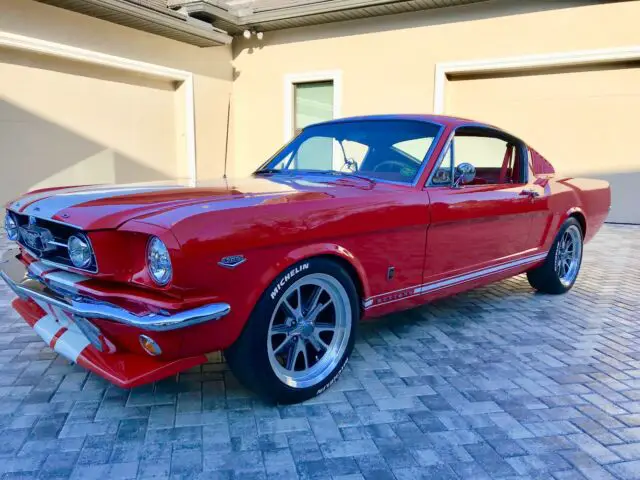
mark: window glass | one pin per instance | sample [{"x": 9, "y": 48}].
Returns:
[
  {"x": 416, "y": 148},
  {"x": 355, "y": 153},
  {"x": 315, "y": 153},
  {"x": 481, "y": 152},
  {"x": 391, "y": 150},
  {"x": 313, "y": 103},
  {"x": 496, "y": 160},
  {"x": 442, "y": 175}
]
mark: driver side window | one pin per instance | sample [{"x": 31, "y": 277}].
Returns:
[{"x": 496, "y": 160}]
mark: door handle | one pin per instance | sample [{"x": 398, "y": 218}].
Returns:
[{"x": 530, "y": 193}]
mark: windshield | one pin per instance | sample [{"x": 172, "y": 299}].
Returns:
[{"x": 391, "y": 150}]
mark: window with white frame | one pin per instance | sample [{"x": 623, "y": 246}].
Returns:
[{"x": 312, "y": 103}]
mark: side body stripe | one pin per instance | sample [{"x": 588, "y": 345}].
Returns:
[{"x": 416, "y": 290}]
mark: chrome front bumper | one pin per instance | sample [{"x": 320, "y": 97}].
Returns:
[{"x": 26, "y": 286}]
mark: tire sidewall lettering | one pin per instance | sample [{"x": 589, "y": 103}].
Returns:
[
  {"x": 294, "y": 272},
  {"x": 334, "y": 379}
]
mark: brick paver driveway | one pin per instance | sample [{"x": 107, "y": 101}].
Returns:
[{"x": 499, "y": 382}]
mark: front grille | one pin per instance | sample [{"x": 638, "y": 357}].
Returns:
[{"x": 48, "y": 240}]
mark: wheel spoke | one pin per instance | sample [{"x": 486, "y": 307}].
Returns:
[
  {"x": 299, "y": 299},
  {"x": 303, "y": 350},
  {"x": 316, "y": 311},
  {"x": 292, "y": 312},
  {"x": 280, "y": 329},
  {"x": 292, "y": 355},
  {"x": 317, "y": 342},
  {"x": 297, "y": 348},
  {"x": 284, "y": 343},
  {"x": 313, "y": 300},
  {"x": 324, "y": 327}
]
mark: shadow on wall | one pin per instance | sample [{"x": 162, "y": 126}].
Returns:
[{"x": 36, "y": 153}]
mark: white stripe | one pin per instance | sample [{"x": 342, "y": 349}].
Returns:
[
  {"x": 38, "y": 268},
  {"x": 54, "y": 203},
  {"x": 26, "y": 199},
  {"x": 47, "y": 327},
  {"x": 71, "y": 343},
  {"x": 64, "y": 320}
]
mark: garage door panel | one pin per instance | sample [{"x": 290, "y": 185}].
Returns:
[
  {"x": 60, "y": 126},
  {"x": 583, "y": 121}
]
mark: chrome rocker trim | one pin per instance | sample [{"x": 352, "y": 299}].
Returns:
[
  {"x": 422, "y": 289},
  {"x": 15, "y": 274}
]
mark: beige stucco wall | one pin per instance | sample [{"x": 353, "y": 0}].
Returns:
[
  {"x": 583, "y": 120},
  {"x": 388, "y": 63},
  {"x": 90, "y": 123}
]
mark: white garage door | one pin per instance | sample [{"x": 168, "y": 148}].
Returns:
[
  {"x": 65, "y": 123},
  {"x": 583, "y": 120}
]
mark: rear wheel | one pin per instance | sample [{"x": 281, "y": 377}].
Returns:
[
  {"x": 559, "y": 271},
  {"x": 300, "y": 334}
]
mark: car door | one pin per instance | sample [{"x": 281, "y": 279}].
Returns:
[{"x": 485, "y": 222}]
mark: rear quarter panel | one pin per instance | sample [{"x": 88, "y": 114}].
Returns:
[{"x": 568, "y": 196}]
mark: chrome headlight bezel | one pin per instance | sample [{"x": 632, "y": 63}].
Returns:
[
  {"x": 80, "y": 251},
  {"x": 11, "y": 227},
  {"x": 159, "y": 263}
]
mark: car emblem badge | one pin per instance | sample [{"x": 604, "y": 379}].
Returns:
[
  {"x": 232, "y": 261},
  {"x": 36, "y": 238}
]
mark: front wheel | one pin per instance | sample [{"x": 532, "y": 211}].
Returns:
[
  {"x": 559, "y": 271},
  {"x": 300, "y": 334}
]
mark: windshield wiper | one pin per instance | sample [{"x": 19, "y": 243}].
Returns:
[
  {"x": 338, "y": 173},
  {"x": 267, "y": 170}
]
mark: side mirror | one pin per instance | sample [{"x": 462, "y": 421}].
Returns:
[{"x": 465, "y": 173}]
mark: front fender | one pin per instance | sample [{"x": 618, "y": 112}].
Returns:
[
  {"x": 262, "y": 268},
  {"x": 308, "y": 251}
]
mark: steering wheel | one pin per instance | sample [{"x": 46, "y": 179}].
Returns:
[{"x": 401, "y": 165}]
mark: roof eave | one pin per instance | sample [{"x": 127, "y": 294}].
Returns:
[
  {"x": 170, "y": 25},
  {"x": 303, "y": 15}
]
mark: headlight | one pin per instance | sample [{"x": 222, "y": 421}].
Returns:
[
  {"x": 159, "y": 261},
  {"x": 80, "y": 251},
  {"x": 11, "y": 227}
]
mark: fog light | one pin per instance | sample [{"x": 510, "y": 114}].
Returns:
[{"x": 149, "y": 345}]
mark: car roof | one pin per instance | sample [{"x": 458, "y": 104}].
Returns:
[{"x": 445, "y": 120}]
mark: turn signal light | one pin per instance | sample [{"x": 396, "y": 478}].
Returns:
[{"x": 149, "y": 345}]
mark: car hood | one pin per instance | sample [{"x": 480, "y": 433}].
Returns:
[{"x": 108, "y": 206}]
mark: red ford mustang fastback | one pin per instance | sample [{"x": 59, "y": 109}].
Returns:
[{"x": 354, "y": 218}]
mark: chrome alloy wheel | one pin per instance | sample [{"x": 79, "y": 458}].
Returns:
[
  {"x": 569, "y": 255},
  {"x": 309, "y": 330}
]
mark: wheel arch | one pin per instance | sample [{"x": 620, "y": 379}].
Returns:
[
  {"x": 351, "y": 271},
  {"x": 579, "y": 215},
  {"x": 338, "y": 254}
]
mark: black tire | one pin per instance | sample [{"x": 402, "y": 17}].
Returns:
[
  {"x": 249, "y": 357},
  {"x": 545, "y": 278}
]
